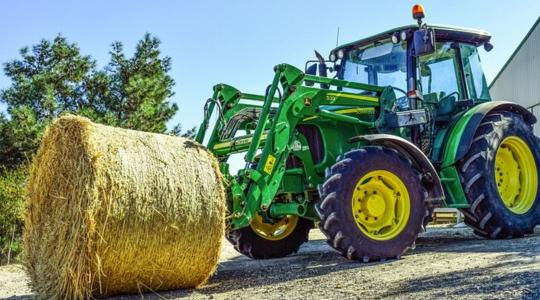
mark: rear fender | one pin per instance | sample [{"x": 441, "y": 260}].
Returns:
[
  {"x": 430, "y": 177},
  {"x": 462, "y": 133}
]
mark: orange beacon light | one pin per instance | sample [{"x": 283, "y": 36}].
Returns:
[{"x": 418, "y": 12}]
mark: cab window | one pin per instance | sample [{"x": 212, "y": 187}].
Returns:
[
  {"x": 382, "y": 63},
  {"x": 474, "y": 75},
  {"x": 439, "y": 73}
]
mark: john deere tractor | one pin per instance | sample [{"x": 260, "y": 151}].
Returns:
[{"x": 367, "y": 143}]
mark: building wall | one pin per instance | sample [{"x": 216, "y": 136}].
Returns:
[{"x": 519, "y": 80}]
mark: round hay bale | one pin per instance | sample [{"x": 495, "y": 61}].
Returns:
[{"x": 114, "y": 211}]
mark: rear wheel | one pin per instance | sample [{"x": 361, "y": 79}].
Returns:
[
  {"x": 372, "y": 204},
  {"x": 500, "y": 178},
  {"x": 263, "y": 240}
]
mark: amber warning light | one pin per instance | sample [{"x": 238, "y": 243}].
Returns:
[{"x": 418, "y": 12}]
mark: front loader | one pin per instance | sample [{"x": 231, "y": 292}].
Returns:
[{"x": 403, "y": 123}]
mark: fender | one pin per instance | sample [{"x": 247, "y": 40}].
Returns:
[
  {"x": 462, "y": 133},
  {"x": 430, "y": 177}
]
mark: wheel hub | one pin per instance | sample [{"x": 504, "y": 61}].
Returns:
[
  {"x": 276, "y": 231},
  {"x": 380, "y": 205},
  {"x": 375, "y": 205},
  {"x": 516, "y": 175}
]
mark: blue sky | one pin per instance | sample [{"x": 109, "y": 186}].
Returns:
[{"x": 238, "y": 42}]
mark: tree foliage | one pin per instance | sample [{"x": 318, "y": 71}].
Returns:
[
  {"x": 133, "y": 92},
  {"x": 46, "y": 81},
  {"x": 53, "y": 78},
  {"x": 12, "y": 192}
]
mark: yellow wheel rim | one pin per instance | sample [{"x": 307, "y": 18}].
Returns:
[
  {"x": 381, "y": 205},
  {"x": 276, "y": 231},
  {"x": 516, "y": 175}
]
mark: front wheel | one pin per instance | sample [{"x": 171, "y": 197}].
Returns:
[
  {"x": 500, "y": 178},
  {"x": 372, "y": 204},
  {"x": 261, "y": 240}
]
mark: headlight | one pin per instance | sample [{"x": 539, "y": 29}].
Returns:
[
  {"x": 403, "y": 35},
  {"x": 332, "y": 57},
  {"x": 395, "y": 38},
  {"x": 340, "y": 53}
]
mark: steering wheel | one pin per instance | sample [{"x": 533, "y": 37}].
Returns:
[
  {"x": 400, "y": 90},
  {"x": 399, "y": 99}
]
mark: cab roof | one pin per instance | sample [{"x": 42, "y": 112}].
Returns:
[{"x": 442, "y": 33}]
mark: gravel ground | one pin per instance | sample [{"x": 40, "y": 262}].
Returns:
[{"x": 447, "y": 263}]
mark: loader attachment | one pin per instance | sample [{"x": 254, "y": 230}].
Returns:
[{"x": 267, "y": 128}]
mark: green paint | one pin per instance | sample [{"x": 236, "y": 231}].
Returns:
[
  {"x": 454, "y": 140},
  {"x": 277, "y": 134},
  {"x": 455, "y": 197}
]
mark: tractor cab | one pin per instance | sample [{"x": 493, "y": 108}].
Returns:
[{"x": 425, "y": 64}]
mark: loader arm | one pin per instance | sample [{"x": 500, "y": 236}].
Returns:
[{"x": 270, "y": 144}]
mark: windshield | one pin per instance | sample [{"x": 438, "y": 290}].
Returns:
[{"x": 382, "y": 63}]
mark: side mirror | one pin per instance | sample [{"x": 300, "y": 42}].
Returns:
[
  {"x": 311, "y": 70},
  {"x": 424, "y": 41},
  {"x": 322, "y": 64},
  {"x": 323, "y": 70}
]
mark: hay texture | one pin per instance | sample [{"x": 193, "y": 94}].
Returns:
[{"x": 115, "y": 211}]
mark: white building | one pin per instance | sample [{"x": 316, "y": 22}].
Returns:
[{"x": 519, "y": 78}]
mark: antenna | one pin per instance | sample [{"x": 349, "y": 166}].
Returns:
[{"x": 337, "y": 37}]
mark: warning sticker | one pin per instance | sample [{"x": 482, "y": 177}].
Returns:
[{"x": 269, "y": 165}]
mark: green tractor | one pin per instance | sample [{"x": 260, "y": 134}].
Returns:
[{"x": 389, "y": 128}]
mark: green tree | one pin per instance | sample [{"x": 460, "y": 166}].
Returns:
[
  {"x": 133, "y": 92},
  {"x": 47, "y": 80},
  {"x": 12, "y": 192},
  {"x": 53, "y": 78}
]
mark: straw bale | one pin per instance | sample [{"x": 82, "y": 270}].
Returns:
[{"x": 115, "y": 211}]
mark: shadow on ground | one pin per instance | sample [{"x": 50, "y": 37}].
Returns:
[
  {"x": 316, "y": 259},
  {"x": 240, "y": 272},
  {"x": 478, "y": 283}
]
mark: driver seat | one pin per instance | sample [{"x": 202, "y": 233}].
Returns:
[{"x": 445, "y": 108}]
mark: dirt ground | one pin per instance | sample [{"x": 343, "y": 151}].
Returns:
[{"x": 447, "y": 263}]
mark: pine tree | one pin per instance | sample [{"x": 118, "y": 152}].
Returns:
[
  {"x": 138, "y": 88},
  {"x": 54, "y": 78},
  {"x": 46, "y": 81}
]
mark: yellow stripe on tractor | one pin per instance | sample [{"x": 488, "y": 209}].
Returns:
[
  {"x": 346, "y": 111},
  {"x": 351, "y": 96}
]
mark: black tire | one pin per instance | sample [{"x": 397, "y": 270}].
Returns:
[
  {"x": 488, "y": 216},
  {"x": 249, "y": 243},
  {"x": 335, "y": 209}
]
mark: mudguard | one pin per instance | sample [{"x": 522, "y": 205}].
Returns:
[
  {"x": 462, "y": 133},
  {"x": 419, "y": 159}
]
